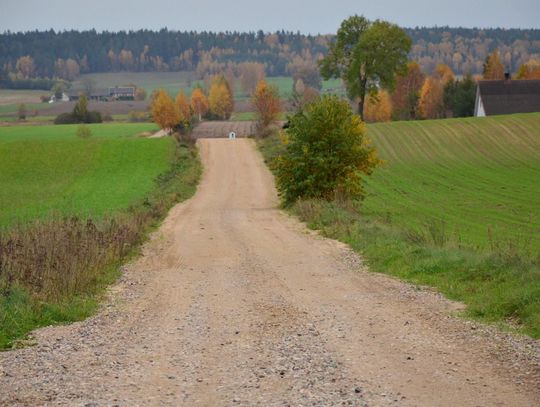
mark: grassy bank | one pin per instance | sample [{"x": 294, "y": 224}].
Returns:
[
  {"x": 455, "y": 207},
  {"x": 56, "y": 259}
]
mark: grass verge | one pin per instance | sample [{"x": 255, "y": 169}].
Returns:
[
  {"x": 53, "y": 271},
  {"x": 498, "y": 280}
]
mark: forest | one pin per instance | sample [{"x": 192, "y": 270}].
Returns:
[{"x": 67, "y": 54}]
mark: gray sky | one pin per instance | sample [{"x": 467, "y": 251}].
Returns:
[{"x": 307, "y": 16}]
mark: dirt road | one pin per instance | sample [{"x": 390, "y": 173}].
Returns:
[{"x": 235, "y": 303}]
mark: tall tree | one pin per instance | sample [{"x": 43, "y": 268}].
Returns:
[
  {"x": 378, "y": 107},
  {"x": 407, "y": 92},
  {"x": 267, "y": 104},
  {"x": 431, "y": 103},
  {"x": 199, "y": 102},
  {"x": 250, "y": 75},
  {"x": 493, "y": 68},
  {"x": 220, "y": 100},
  {"x": 164, "y": 111},
  {"x": 529, "y": 70},
  {"x": 184, "y": 109},
  {"x": 366, "y": 55}
]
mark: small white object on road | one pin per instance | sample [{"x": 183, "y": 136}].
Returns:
[{"x": 232, "y": 135}]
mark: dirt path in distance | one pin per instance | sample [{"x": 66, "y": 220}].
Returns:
[{"x": 235, "y": 303}]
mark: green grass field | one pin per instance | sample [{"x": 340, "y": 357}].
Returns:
[
  {"x": 173, "y": 82},
  {"x": 48, "y": 169},
  {"x": 480, "y": 177},
  {"x": 456, "y": 206}
]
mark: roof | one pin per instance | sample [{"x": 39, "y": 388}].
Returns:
[
  {"x": 510, "y": 96},
  {"x": 95, "y": 93},
  {"x": 121, "y": 90}
]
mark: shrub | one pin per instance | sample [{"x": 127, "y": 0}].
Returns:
[
  {"x": 83, "y": 131},
  {"x": 326, "y": 154},
  {"x": 66, "y": 118},
  {"x": 21, "y": 111},
  {"x": 138, "y": 116},
  {"x": 93, "y": 117}
]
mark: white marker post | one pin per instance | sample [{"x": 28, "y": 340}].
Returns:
[{"x": 232, "y": 135}]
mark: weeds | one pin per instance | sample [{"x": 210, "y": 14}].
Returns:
[{"x": 50, "y": 270}]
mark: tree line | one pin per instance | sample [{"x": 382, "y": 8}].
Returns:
[{"x": 67, "y": 54}]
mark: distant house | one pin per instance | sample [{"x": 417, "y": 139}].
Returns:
[
  {"x": 507, "y": 97},
  {"x": 112, "y": 93},
  {"x": 96, "y": 95},
  {"x": 122, "y": 92}
]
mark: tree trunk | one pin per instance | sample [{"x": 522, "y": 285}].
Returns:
[{"x": 362, "y": 97}]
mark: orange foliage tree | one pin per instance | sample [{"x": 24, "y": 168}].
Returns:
[
  {"x": 164, "y": 111},
  {"x": 183, "y": 107},
  {"x": 266, "y": 103},
  {"x": 220, "y": 98},
  {"x": 529, "y": 70},
  {"x": 444, "y": 74},
  {"x": 199, "y": 102},
  {"x": 250, "y": 74},
  {"x": 407, "y": 92},
  {"x": 493, "y": 68},
  {"x": 431, "y": 103},
  {"x": 378, "y": 107}
]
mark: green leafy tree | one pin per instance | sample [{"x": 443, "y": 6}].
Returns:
[
  {"x": 366, "y": 55},
  {"x": 21, "y": 111},
  {"x": 460, "y": 96},
  {"x": 326, "y": 154},
  {"x": 80, "y": 111}
]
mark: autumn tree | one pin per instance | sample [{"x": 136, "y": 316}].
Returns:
[
  {"x": 378, "y": 107},
  {"x": 302, "y": 95},
  {"x": 140, "y": 93},
  {"x": 366, "y": 55},
  {"x": 431, "y": 103},
  {"x": 529, "y": 70},
  {"x": 267, "y": 104},
  {"x": 183, "y": 107},
  {"x": 199, "y": 102},
  {"x": 407, "y": 92},
  {"x": 164, "y": 111},
  {"x": 25, "y": 66},
  {"x": 220, "y": 98},
  {"x": 307, "y": 71},
  {"x": 493, "y": 67},
  {"x": 443, "y": 73},
  {"x": 327, "y": 153},
  {"x": 250, "y": 74}
]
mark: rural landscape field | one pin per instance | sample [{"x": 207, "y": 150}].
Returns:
[{"x": 345, "y": 211}]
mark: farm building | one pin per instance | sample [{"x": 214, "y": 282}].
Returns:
[
  {"x": 97, "y": 95},
  {"x": 507, "y": 97},
  {"x": 122, "y": 92},
  {"x": 112, "y": 93}
]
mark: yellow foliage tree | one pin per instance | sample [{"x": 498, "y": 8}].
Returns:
[
  {"x": 431, "y": 103},
  {"x": 493, "y": 68},
  {"x": 378, "y": 107},
  {"x": 529, "y": 70},
  {"x": 444, "y": 73},
  {"x": 220, "y": 98},
  {"x": 164, "y": 111},
  {"x": 199, "y": 102},
  {"x": 266, "y": 103},
  {"x": 183, "y": 107}
]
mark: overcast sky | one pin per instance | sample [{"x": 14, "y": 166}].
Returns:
[{"x": 307, "y": 16}]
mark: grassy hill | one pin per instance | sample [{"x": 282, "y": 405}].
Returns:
[
  {"x": 479, "y": 178},
  {"x": 455, "y": 206}
]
